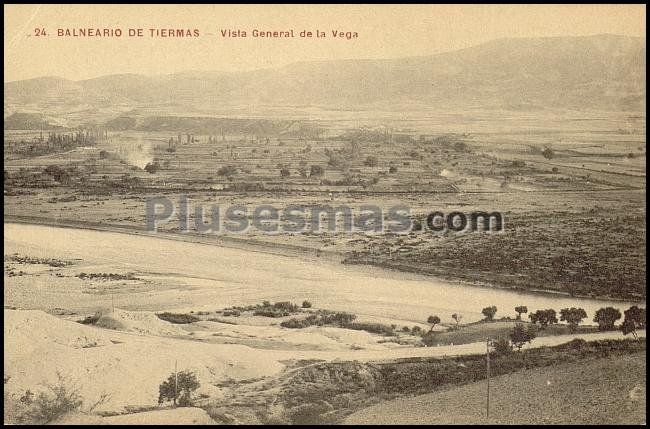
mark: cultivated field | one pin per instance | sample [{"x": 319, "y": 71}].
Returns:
[
  {"x": 597, "y": 391},
  {"x": 571, "y": 188}
]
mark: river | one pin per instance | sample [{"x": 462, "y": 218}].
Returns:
[{"x": 234, "y": 276}]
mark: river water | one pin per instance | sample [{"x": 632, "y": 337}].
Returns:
[{"x": 244, "y": 276}]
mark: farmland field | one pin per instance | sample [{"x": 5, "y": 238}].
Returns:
[{"x": 598, "y": 391}]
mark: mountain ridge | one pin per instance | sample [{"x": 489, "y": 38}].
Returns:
[{"x": 592, "y": 72}]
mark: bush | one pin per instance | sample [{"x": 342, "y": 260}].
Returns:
[
  {"x": 47, "y": 407},
  {"x": 227, "y": 170},
  {"x": 548, "y": 153},
  {"x": 306, "y": 304},
  {"x": 310, "y": 413},
  {"x": 58, "y": 173},
  {"x": 576, "y": 344},
  {"x": 322, "y": 318},
  {"x": 371, "y": 161},
  {"x": 271, "y": 312},
  {"x": 501, "y": 346},
  {"x": 178, "y": 318},
  {"x": 373, "y": 328},
  {"x": 152, "y": 167},
  {"x": 90, "y": 320},
  {"x": 181, "y": 390},
  {"x": 286, "y": 305},
  {"x": 316, "y": 170}
]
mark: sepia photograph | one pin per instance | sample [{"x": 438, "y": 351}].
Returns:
[{"x": 293, "y": 214}]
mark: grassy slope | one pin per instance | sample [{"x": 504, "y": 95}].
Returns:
[
  {"x": 599, "y": 391},
  {"x": 498, "y": 329}
]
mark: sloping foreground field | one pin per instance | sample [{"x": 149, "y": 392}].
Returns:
[
  {"x": 600, "y": 391},
  {"x": 129, "y": 366}
]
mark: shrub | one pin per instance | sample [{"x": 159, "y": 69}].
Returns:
[
  {"x": 90, "y": 320},
  {"x": 310, "y": 413},
  {"x": 322, "y": 318},
  {"x": 371, "y": 161},
  {"x": 286, "y": 305},
  {"x": 178, "y": 318},
  {"x": 548, "y": 153},
  {"x": 576, "y": 344},
  {"x": 306, "y": 304},
  {"x": 373, "y": 328},
  {"x": 392, "y": 169},
  {"x": 227, "y": 170},
  {"x": 60, "y": 399},
  {"x": 501, "y": 346},
  {"x": 58, "y": 173},
  {"x": 152, "y": 167},
  {"x": 316, "y": 170},
  {"x": 181, "y": 390},
  {"x": 271, "y": 312}
]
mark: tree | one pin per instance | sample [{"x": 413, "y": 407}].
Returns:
[
  {"x": 628, "y": 327},
  {"x": 181, "y": 391},
  {"x": 371, "y": 161},
  {"x": 433, "y": 320},
  {"x": 606, "y": 317},
  {"x": 543, "y": 317},
  {"x": 634, "y": 319},
  {"x": 637, "y": 315},
  {"x": 489, "y": 312},
  {"x": 58, "y": 173},
  {"x": 501, "y": 346},
  {"x": 152, "y": 167},
  {"x": 306, "y": 304},
  {"x": 457, "y": 317},
  {"x": 573, "y": 316},
  {"x": 316, "y": 170},
  {"x": 521, "y": 335},
  {"x": 521, "y": 309},
  {"x": 227, "y": 170},
  {"x": 284, "y": 172},
  {"x": 548, "y": 153},
  {"x": 392, "y": 169}
]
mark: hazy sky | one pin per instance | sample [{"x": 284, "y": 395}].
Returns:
[{"x": 384, "y": 31}]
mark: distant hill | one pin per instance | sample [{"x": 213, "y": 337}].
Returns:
[
  {"x": 603, "y": 72},
  {"x": 208, "y": 125},
  {"x": 28, "y": 121}
]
